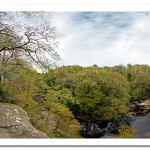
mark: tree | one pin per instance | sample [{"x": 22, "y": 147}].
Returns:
[
  {"x": 92, "y": 92},
  {"x": 126, "y": 131},
  {"x": 116, "y": 85},
  {"x": 114, "y": 109},
  {"x": 88, "y": 88},
  {"x": 141, "y": 87},
  {"x": 139, "y": 78},
  {"x": 67, "y": 125},
  {"x": 116, "y": 92},
  {"x": 36, "y": 44},
  {"x": 66, "y": 122},
  {"x": 21, "y": 85}
]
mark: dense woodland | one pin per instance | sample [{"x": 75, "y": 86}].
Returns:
[
  {"x": 94, "y": 93},
  {"x": 64, "y": 93}
]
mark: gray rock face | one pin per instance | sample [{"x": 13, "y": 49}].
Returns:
[
  {"x": 14, "y": 123},
  {"x": 92, "y": 130}
]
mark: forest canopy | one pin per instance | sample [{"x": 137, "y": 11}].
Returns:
[{"x": 71, "y": 92}]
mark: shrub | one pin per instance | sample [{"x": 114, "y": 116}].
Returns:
[{"x": 126, "y": 131}]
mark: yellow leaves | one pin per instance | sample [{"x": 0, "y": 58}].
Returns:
[
  {"x": 61, "y": 110},
  {"x": 67, "y": 125},
  {"x": 24, "y": 99},
  {"x": 126, "y": 131},
  {"x": 70, "y": 126},
  {"x": 66, "y": 122},
  {"x": 51, "y": 96}
]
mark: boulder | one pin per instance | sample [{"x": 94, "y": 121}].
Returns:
[
  {"x": 143, "y": 107},
  {"x": 91, "y": 130},
  {"x": 15, "y": 123},
  {"x": 145, "y": 103},
  {"x": 112, "y": 127}
]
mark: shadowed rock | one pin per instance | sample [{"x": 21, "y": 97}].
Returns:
[
  {"x": 143, "y": 107},
  {"x": 14, "y": 123}
]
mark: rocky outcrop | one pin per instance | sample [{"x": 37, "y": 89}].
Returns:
[
  {"x": 113, "y": 126},
  {"x": 144, "y": 105},
  {"x": 91, "y": 130},
  {"x": 140, "y": 108},
  {"x": 14, "y": 123},
  {"x": 110, "y": 130}
]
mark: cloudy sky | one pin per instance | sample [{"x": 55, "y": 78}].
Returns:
[{"x": 103, "y": 38}]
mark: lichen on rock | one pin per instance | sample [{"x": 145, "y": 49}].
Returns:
[{"x": 15, "y": 123}]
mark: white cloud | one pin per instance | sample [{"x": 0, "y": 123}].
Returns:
[{"x": 105, "y": 39}]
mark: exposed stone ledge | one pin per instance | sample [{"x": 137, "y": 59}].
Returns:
[
  {"x": 15, "y": 123},
  {"x": 141, "y": 108}
]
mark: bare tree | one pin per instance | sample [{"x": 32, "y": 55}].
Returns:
[{"x": 35, "y": 44}]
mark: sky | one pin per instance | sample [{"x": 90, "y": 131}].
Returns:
[{"x": 103, "y": 38}]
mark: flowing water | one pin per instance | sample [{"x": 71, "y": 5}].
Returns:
[{"x": 141, "y": 124}]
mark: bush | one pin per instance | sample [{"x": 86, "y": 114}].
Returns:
[{"x": 126, "y": 131}]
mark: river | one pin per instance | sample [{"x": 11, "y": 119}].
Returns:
[
  {"x": 139, "y": 120},
  {"x": 140, "y": 123}
]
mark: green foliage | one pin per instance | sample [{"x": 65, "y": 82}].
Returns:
[
  {"x": 92, "y": 91},
  {"x": 117, "y": 86},
  {"x": 66, "y": 122},
  {"x": 126, "y": 131},
  {"x": 63, "y": 93},
  {"x": 59, "y": 96},
  {"x": 87, "y": 90},
  {"x": 7, "y": 92},
  {"x": 141, "y": 86},
  {"x": 113, "y": 110},
  {"x": 34, "y": 111},
  {"x": 54, "y": 102},
  {"x": 3, "y": 93}
]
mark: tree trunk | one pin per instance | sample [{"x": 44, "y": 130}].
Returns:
[
  {"x": 2, "y": 77},
  {"x": 1, "y": 84},
  {"x": 28, "y": 87}
]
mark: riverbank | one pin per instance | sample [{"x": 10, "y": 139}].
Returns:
[{"x": 139, "y": 119}]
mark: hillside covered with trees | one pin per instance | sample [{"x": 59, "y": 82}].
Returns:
[{"x": 70, "y": 92}]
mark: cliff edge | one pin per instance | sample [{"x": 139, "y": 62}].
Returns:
[{"x": 14, "y": 123}]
